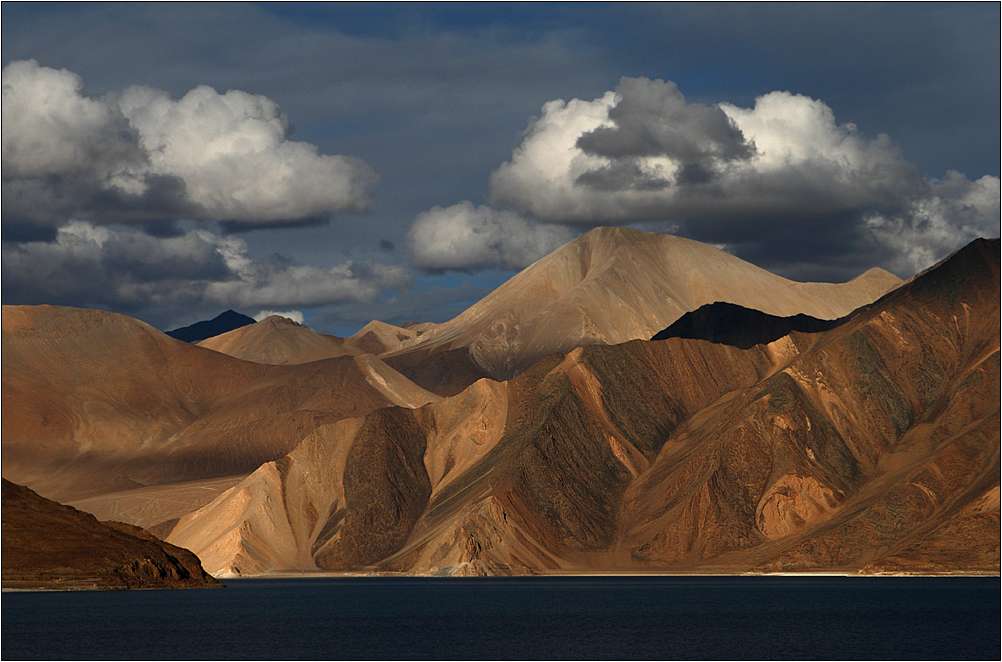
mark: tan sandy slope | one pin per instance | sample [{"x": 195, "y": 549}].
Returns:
[
  {"x": 95, "y": 402},
  {"x": 277, "y": 340},
  {"x": 379, "y": 337}
]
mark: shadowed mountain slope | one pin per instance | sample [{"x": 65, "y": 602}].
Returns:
[
  {"x": 731, "y": 324},
  {"x": 867, "y": 447},
  {"x": 871, "y": 446},
  {"x": 47, "y": 545},
  {"x": 95, "y": 402},
  {"x": 379, "y": 337},
  {"x": 609, "y": 286},
  {"x": 226, "y": 321}
]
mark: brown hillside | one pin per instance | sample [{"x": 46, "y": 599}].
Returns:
[
  {"x": 47, "y": 545},
  {"x": 276, "y": 340},
  {"x": 95, "y": 402}
]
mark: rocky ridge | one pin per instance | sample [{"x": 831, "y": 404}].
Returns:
[{"x": 48, "y": 546}]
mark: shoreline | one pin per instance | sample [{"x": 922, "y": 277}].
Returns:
[
  {"x": 45, "y": 587},
  {"x": 320, "y": 574}
]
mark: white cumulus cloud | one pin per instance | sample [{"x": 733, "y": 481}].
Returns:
[
  {"x": 958, "y": 212},
  {"x": 138, "y": 155},
  {"x": 52, "y": 129},
  {"x": 779, "y": 180},
  {"x": 643, "y": 153},
  {"x": 294, "y": 315}
]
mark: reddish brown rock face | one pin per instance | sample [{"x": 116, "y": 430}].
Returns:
[{"x": 791, "y": 504}]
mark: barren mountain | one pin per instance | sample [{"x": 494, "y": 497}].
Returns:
[
  {"x": 868, "y": 447},
  {"x": 47, "y": 545},
  {"x": 277, "y": 340},
  {"x": 225, "y": 321},
  {"x": 609, "y": 286},
  {"x": 95, "y": 402}
]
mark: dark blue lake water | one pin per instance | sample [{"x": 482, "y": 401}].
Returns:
[{"x": 534, "y": 618}]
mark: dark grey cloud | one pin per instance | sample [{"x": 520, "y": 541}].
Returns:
[
  {"x": 89, "y": 265},
  {"x": 627, "y": 176},
  {"x": 50, "y": 201},
  {"x": 655, "y": 120},
  {"x": 96, "y": 266}
]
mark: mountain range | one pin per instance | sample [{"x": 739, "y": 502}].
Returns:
[{"x": 773, "y": 426}]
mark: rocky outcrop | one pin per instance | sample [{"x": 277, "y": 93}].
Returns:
[{"x": 50, "y": 546}]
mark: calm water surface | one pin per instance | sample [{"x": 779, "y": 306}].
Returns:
[{"x": 534, "y": 618}]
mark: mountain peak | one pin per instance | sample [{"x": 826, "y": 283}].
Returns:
[
  {"x": 614, "y": 284},
  {"x": 275, "y": 340},
  {"x": 225, "y": 321},
  {"x": 279, "y": 320}
]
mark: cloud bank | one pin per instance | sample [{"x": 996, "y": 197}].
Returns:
[
  {"x": 294, "y": 315},
  {"x": 642, "y": 152},
  {"x": 138, "y": 156},
  {"x": 96, "y": 266},
  {"x": 782, "y": 179}
]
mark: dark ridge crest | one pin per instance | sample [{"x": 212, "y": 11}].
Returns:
[
  {"x": 737, "y": 326},
  {"x": 200, "y": 331}
]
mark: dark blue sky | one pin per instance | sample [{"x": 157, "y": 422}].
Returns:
[{"x": 434, "y": 98}]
